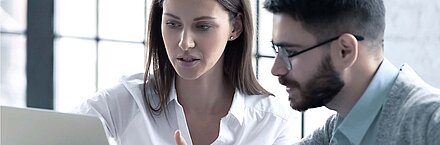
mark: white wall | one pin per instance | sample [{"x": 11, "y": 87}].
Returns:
[{"x": 412, "y": 36}]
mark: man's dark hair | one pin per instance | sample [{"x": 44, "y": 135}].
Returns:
[{"x": 330, "y": 18}]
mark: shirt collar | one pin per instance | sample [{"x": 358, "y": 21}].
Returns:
[
  {"x": 359, "y": 119},
  {"x": 173, "y": 95},
  {"x": 238, "y": 106}
]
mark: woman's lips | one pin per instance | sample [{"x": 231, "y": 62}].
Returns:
[
  {"x": 187, "y": 62},
  {"x": 187, "y": 59}
]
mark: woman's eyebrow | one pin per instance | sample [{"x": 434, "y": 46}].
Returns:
[
  {"x": 171, "y": 15},
  {"x": 195, "y": 19},
  {"x": 203, "y": 17}
]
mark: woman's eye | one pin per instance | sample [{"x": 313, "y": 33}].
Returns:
[
  {"x": 172, "y": 25},
  {"x": 204, "y": 27}
]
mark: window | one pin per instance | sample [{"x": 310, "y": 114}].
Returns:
[
  {"x": 97, "y": 42},
  {"x": 13, "y": 52}
]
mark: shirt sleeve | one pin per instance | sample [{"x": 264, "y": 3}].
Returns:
[
  {"x": 322, "y": 135},
  {"x": 433, "y": 132},
  {"x": 287, "y": 136},
  {"x": 99, "y": 106}
]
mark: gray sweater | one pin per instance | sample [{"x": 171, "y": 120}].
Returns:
[{"x": 410, "y": 116}]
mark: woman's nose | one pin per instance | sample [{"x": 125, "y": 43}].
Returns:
[{"x": 186, "y": 41}]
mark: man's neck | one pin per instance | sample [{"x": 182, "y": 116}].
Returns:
[{"x": 357, "y": 80}]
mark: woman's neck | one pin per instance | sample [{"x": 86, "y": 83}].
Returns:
[{"x": 205, "y": 95}]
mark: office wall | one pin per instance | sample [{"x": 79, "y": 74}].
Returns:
[{"x": 412, "y": 36}]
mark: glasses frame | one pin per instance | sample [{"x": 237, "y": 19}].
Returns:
[{"x": 281, "y": 49}]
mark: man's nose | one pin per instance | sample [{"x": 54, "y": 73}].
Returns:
[{"x": 279, "y": 68}]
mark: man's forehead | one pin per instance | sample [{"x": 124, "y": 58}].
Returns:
[{"x": 286, "y": 29}]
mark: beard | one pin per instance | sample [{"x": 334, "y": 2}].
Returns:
[{"x": 318, "y": 91}]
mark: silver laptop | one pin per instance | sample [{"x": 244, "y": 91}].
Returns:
[{"x": 25, "y": 126}]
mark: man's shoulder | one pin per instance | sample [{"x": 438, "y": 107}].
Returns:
[
  {"x": 323, "y": 134},
  {"x": 413, "y": 90},
  {"x": 411, "y": 108}
]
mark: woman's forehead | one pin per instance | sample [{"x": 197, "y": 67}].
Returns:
[{"x": 194, "y": 8}]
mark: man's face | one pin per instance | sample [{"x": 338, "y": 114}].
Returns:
[{"x": 312, "y": 81}]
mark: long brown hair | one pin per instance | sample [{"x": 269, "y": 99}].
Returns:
[{"x": 237, "y": 63}]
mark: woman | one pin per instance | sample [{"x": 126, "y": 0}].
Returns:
[{"x": 198, "y": 79}]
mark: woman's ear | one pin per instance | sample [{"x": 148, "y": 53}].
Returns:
[
  {"x": 237, "y": 26},
  {"x": 345, "y": 52}
]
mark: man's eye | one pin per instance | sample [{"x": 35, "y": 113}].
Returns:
[{"x": 291, "y": 52}]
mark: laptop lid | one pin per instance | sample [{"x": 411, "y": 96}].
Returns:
[{"x": 28, "y": 126}]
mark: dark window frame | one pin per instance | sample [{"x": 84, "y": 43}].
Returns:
[{"x": 39, "y": 54}]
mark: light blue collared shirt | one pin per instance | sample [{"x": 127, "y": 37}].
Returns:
[{"x": 360, "y": 124}]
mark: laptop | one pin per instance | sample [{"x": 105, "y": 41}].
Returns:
[{"x": 28, "y": 126}]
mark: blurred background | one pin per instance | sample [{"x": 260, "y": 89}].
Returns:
[{"x": 57, "y": 53}]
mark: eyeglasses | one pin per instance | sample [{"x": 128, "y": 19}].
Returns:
[{"x": 285, "y": 54}]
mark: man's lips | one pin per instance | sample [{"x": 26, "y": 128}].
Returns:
[
  {"x": 288, "y": 90},
  {"x": 282, "y": 81},
  {"x": 290, "y": 85}
]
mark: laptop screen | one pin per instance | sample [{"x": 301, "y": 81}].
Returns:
[{"x": 28, "y": 126}]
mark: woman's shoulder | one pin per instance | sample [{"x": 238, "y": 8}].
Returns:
[
  {"x": 125, "y": 87},
  {"x": 137, "y": 78},
  {"x": 116, "y": 105},
  {"x": 119, "y": 94},
  {"x": 269, "y": 104}
]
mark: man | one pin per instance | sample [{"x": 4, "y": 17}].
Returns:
[{"x": 330, "y": 53}]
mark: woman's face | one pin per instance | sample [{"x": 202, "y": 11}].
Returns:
[{"x": 195, "y": 33}]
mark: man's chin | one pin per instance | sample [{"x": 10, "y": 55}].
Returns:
[
  {"x": 302, "y": 105},
  {"x": 298, "y": 106}
]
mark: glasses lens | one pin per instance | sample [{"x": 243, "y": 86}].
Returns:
[{"x": 283, "y": 54}]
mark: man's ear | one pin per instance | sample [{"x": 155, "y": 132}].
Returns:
[
  {"x": 345, "y": 51},
  {"x": 237, "y": 26}
]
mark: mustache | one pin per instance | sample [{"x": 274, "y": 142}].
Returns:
[
  {"x": 282, "y": 80},
  {"x": 287, "y": 82}
]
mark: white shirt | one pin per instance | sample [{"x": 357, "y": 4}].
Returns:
[{"x": 256, "y": 119}]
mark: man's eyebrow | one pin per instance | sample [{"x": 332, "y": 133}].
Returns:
[
  {"x": 286, "y": 44},
  {"x": 195, "y": 19}
]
